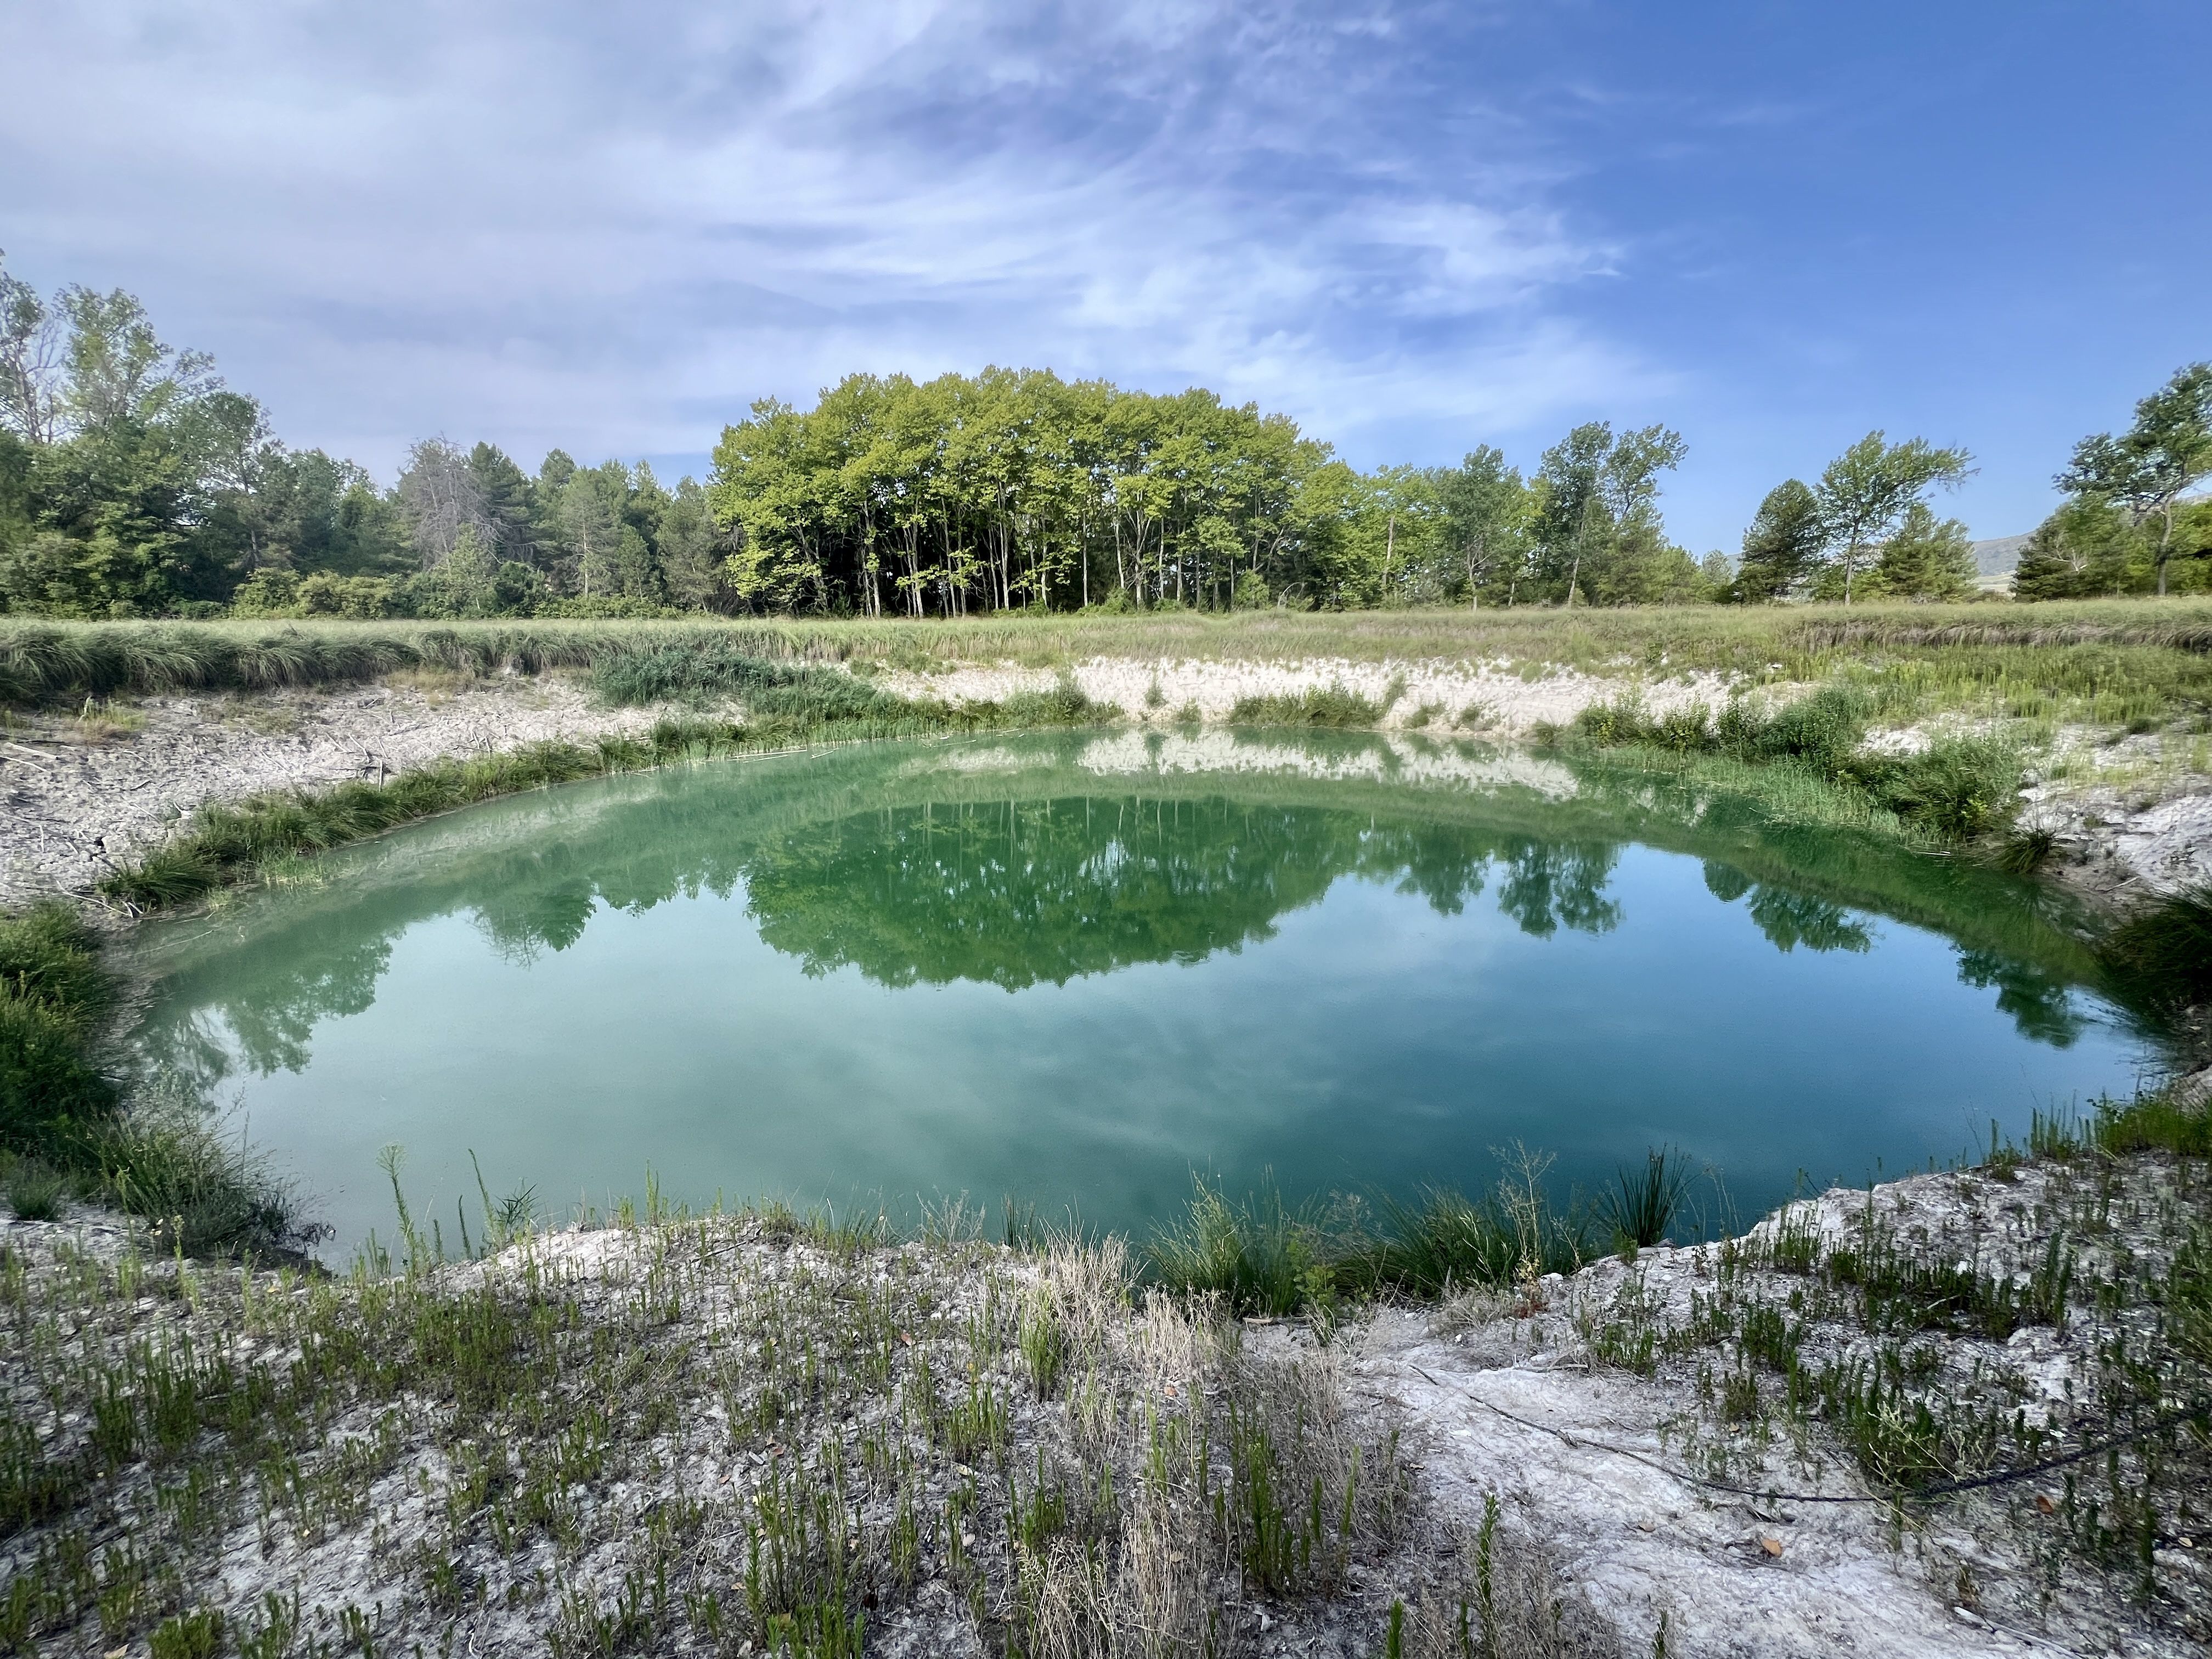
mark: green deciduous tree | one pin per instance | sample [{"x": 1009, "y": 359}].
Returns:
[
  {"x": 1865, "y": 492},
  {"x": 2147, "y": 468},
  {"x": 1487, "y": 510},
  {"x": 1598, "y": 527}
]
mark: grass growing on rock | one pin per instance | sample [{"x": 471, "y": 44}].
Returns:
[
  {"x": 1922, "y": 1334},
  {"x": 699, "y": 1435},
  {"x": 1955, "y": 790}
]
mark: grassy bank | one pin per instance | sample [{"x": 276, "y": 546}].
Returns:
[
  {"x": 2105, "y": 662},
  {"x": 1956, "y": 789},
  {"x": 71, "y": 1127},
  {"x": 677, "y": 1433}
]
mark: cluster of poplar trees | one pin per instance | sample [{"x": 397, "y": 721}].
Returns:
[
  {"x": 1017, "y": 489},
  {"x": 133, "y": 482}
]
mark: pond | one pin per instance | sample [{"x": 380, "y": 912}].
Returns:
[{"x": 1075, "y": 971}]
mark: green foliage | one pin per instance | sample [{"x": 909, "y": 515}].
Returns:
[
  {"x": 2087, "y": 548},
  {"x": 1866, "y": 490},
  {"x": 1956, "y": 789},
  {"x": 2161, "y": 956},
  {"x": 1924, "y": 560},
  {"x": 1597, "y": 532},
  {"x": 705, "y": 666},
  {"x": 1444, "y": 1242},
  {"x": 1255, "y": 1254},
  {"x": 52, "y": 995},
  {"x": 36, "y": 1190},
  {"x": 196, "y": 1635},
  {"x": 1642, "y": 1207},
  {"x": 2147, "y": 468},
  {"x": 1332, "y": 706},
  {"x": 1782, "y": 547}
]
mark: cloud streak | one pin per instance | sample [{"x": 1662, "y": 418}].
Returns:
[{"x": 611, "y": 229}]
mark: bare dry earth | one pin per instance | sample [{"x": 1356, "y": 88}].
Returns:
[{"x": 1494, "y": 698}]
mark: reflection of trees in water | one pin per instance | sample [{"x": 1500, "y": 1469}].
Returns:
[
  {"x": 1790, "y": 920},
  {"x": 1017, "y": 894},
  {"x": 1006, "y": 893},
  {"x": 1550, "y": 886},
  {"x": 2041, "y": 1007},
  {"x": 273, "y": 1007}
]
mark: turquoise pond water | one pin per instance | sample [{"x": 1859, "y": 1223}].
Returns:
[{"x": 1073, "y": 971}]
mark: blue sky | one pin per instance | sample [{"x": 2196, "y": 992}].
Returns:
[{"x": 1417, "y": 228}]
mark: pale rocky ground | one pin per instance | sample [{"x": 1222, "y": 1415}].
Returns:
[
  {"x": 1495, "y": 699},
  {"x": 1591, "y": 1465},
  {"x": 71, "y": 810}
]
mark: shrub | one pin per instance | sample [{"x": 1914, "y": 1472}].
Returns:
[
  {"x": 1959, "y": 788},
  {"x": 702, "y": 667},
  {"x": 52, "y": 993},
  {"x": 2161, "y": 957},
  {"x": 1328, "y": 706}
]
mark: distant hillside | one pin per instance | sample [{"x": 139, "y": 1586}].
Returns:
[{"x": 1995, "y": 561}]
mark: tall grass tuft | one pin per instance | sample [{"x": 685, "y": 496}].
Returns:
[
  {"x": 1445, "y": 1242},
  {"x": 2160, "y": 958},
  {"x": 1254, "y": 1254},
  {"x": 1642, "y": 1205},
  {"x": 1333, "y": 706}
]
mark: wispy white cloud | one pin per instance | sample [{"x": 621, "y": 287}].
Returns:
[{"x": 607, "y": 227}]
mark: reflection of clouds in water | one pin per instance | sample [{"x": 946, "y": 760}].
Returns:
[{"x": 1063, "y": 874}]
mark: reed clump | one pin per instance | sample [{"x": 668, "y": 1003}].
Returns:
[
  {"x": 1954, "y": 790},
  {"x": 1329, "y": 707}
]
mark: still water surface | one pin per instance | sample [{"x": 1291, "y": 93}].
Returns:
[{"x": 1076, "y": 970}]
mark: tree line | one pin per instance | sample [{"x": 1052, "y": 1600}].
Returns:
[{"x": 133, "y": 482}]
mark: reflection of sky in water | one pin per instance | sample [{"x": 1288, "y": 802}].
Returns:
[{"x": 1077, "y": 995}]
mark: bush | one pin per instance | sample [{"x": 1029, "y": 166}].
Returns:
[
  {"x": 2160, "y": 958},
  {"x": 1822, "y": 731},
  {"x": 1959, "y": 788},
  {"x": 702, "y": 667},
  {"x": 52, "y": 994},
  {"x": 1329, "y": 706}
]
